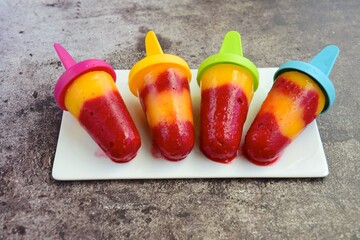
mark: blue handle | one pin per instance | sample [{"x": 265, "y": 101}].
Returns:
[{"x": 325, "y": 59}]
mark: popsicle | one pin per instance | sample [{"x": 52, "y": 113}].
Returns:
[
  {"x": 228, "y": 81},
  {"x": 87, "y": 90},
  {"x": 161, "y": 81},
  {"x": 301, "y": 92}
]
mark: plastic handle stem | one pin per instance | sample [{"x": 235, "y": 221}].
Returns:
[
  {"x": 325, "y": 59},
  {"x": 152, "y": 44},
  {"x": 64, "y": 56},
  {"x": 232, "y": 43}
]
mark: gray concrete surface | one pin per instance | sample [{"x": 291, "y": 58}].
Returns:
[{"x": 34, "y": 206}]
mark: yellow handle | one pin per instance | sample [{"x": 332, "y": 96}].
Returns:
[{"x": 152, "y": 44}]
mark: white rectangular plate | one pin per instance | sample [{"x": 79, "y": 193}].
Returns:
[{"x": 79, "y": 158}]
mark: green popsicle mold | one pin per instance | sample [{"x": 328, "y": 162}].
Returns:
[{"x": 230, "y": 53}]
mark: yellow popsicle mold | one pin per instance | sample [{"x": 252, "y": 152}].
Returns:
[{"x": 155, "y": 57}]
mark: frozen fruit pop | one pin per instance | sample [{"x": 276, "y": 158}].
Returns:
[
  {"x": 87, "y": 90},
  {"x": 161, "y": 81},
  {"x": 301, "y": 91},
  {"x": 228, "y": 81}
]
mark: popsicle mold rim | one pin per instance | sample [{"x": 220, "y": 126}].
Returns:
[
  {"x": 230, "y": 59},
  {"x": 154, "y": 56},
  {"x": 74, "y": 71}
]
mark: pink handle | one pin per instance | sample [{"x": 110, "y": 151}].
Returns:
[{"x": 64, "y": 56}]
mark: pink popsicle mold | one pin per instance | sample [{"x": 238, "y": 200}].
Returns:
[{"x": 74, "y": 70}]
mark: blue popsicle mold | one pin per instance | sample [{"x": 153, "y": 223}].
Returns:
[{"x": 319, "y": 69}]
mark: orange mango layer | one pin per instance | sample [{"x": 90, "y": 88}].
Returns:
[
  {"x": 168, "y": 106},
  {"x": 86, "y": 87},
  {"x": 289, "y": 114},
  {"x": 222, "y": 74}
]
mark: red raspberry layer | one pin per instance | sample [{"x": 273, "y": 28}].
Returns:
[
  {"x": 174, "y": 141},
  {"x": 109, "y": 123},
  {"x": 264, "y": 141},
  {"x": 223, "y": 113}
]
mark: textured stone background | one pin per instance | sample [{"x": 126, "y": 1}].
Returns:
[{"x": 34, "y": 206}]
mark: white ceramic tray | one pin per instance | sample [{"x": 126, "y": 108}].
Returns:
[{"x": 79, "y": 158}]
